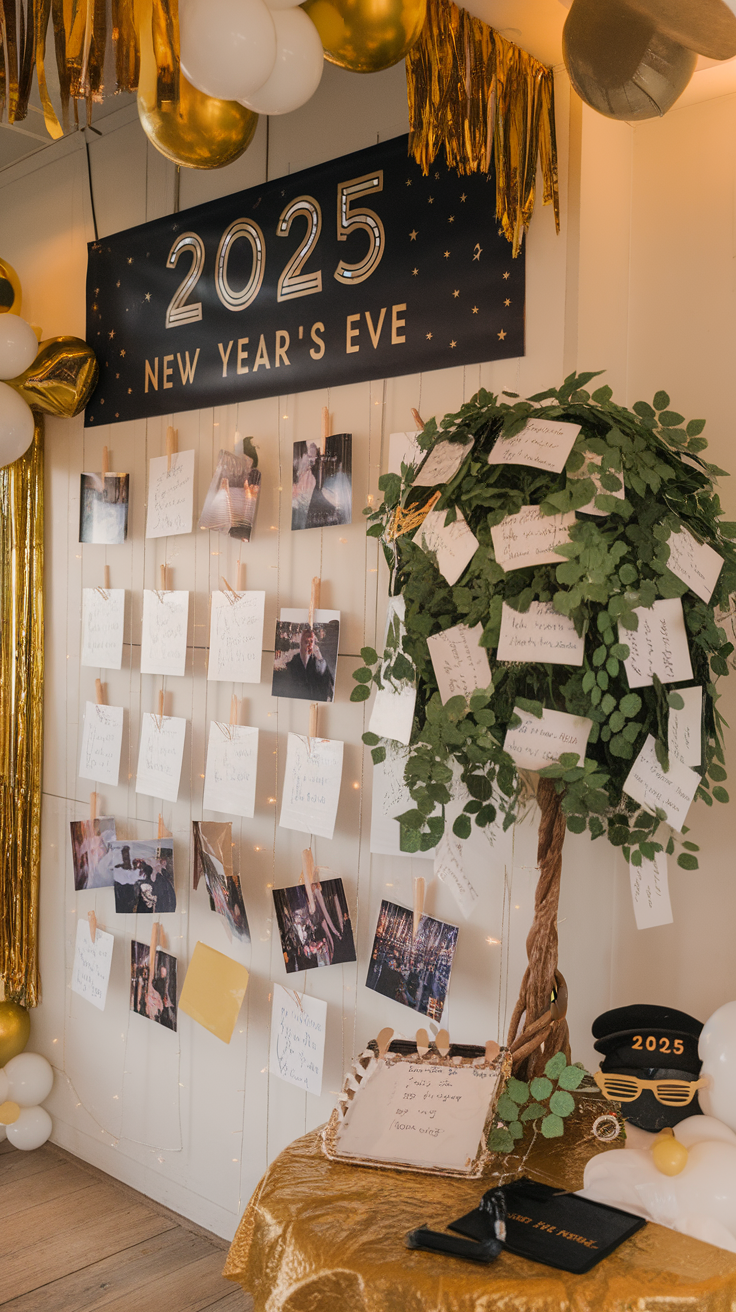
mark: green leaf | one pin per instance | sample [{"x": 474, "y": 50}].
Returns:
[
  {"x": 562, "y": 1103},
  {"x": 368, "y": 655},
  {"x": 362, "y": 675},
  {"x": 360, "y": 693},
  {"x": 462, "y": 826},
  {"x": 661, "y": 401},
  {"x": 541, "y": 1088},
  {"x": 571, "y": 1077},
  {"x": 378, "y": 754},
  {"x": 553, "y": 1127},
  {"x": 555, "y": 1066},
  {"x": 720, "y": 794},
  {"x": 506, "y": 1108},
  {"x": 533, "y": 1111},
  {"x": 500, "y": 1141},
  {"x": 630, "y": 705},
  {"x": 686, "y": 861},
  {"x": 576, "y": 824},
  {"x": 518, "y": 1090},
  {"x": 371, "y": 739},
  {"x": 670, "y": 419}
]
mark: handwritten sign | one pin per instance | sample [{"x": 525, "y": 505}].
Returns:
[
  {"x": 391, "y": 797},
  {"x": 102, "y": 739},
  {"x": 530, "y": 538},
  {"x": 450, "y": 868},
  {"x": 170, "y": 495},
  {"x": 543, "y": 443},
  {"x": 311, "y": 785},
  {"x": 92, "y": 962},
  {"x": 672, "y": 793},
  {"x": 393, "y": 713},
  {"x": 593, "y": 470},
  {"x": 650, "y": 892},
  {"x": 454, "y": 545},
  {"x": 535, "y": 743},
  {"x": 695, "y": 563},
  {"x": 659, "y": 645},
  {"x": 442, "y": 463},
  {"x": 539, "y": 634},
  {"x": 160, "y": 756},
  {"x": 297, "y": 1049},
  {"x": 230, "y": 773},
  {"x": 460, "y": 663},
  {"x": 164, "y": 637},
  {"x": 236, "y": 636},
  {"x": 103, "y": 614},
  {"x": 685, "y": 729}
]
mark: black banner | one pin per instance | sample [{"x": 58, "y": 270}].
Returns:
[{"x": 357, "y": 269}]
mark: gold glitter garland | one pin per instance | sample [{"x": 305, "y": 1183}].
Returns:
[{"x": 485, "y": 100}]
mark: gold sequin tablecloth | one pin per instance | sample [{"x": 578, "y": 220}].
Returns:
[{"x": 319, "y": 1236}]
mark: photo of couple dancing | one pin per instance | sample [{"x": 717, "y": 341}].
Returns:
[
  {"x": 143, "y": 873},
  {"x": 153, "y": 997},
  {"x": 314, "y": 935}
]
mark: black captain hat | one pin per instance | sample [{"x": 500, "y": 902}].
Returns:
[{"x": 646, "y": 1037}]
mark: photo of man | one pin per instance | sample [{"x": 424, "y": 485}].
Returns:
[
  {"x": 305, "y": 656},
  {"x": 319, "y": 934}
]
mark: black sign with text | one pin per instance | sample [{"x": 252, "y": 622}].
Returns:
[{"x": 359, "y": 268}]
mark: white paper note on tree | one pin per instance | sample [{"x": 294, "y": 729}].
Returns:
[
  {"x": 393, "y": 713},
  {"x": 650, "y": 892},
  {"x": 236, "y": 636},
  {"x": 102, "y": 739},
  {"x": 454, "y": 546},
  {"x": 685, "y": 728},
  {"x": 391, "y": 797},
  {"x": 160, "y": 756},
  {"x": 230, "y": 773},
  {"x": 672, "y": 793},
  {"x": 311, "y": 785},
  {"x": 92, "y": 961},
  {"x": 164, "y": 634},
  {"x": 529, "y": 538},
  {"x": 442, "y": 463},
  {"x": 103, "y": 614},
  {"x": 694, "y": 562},
  {"x": 659, "y": 645},
  {"x": 449, "y": 866},
  {"x": 460, "y": 663},
  {"x": 594, "y": 474},
  {"x": 403, "y": 448},
  {"x": 170, "y": 495},
  {"x": 539, "y": 634},
  {"x": 298, "y": 1025},
  {"x": 543, "y": 443},
  {"x": 534, "y": 743}
]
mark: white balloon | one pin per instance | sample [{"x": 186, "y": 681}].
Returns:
[
  {"x": 31, "y": 1129},
  {"x": 3, "y": 1087},
  {"x": 18, "y": 345},
  {"x": 30, "y": 1078},
  {"x": 299, "y": 65},
  {"x": 16, "y": 424},
  {"x": 697, "y": 1129},
  {"x": 227, "y": 47},
  {"x": 717, "y": 1049},
  {"x": 282, "y": 4}
]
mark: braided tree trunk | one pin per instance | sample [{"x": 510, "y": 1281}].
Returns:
[{"x": 538, "y": 1029}]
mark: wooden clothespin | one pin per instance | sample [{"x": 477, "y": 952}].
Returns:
[
  {"x": 99, "y": 692},
  {"x": 422, "y": 1041},
  {"x": 419, "y": 890},
  {"x": 172, "y": 446},
  {"x": 383, "y": 1040},
  {"x": 492, "y": 1051},
  {"x": 162, "y": 830},
  {"x": 417, "y": 419},
  {"x": 314, "y": 600},
  {"x": 105, "y": 463},
  {"x": 161, "y": 704},
  {"x": 93, "y": 807},
  {"x": 325, "y": 428},
  {"x": 106, "y": 578},
  {"x": 442, "y": 1043},
  {"x": 163, "y": 578},
  {"x": 240, "y": 577},
  {"x": 152, "y": 956},
  {"x": 233, "y": 709},
  {"x": 307, "y": 876},
  {"x": 92, "y": 918},
  {"x": 313, "y": 719}
]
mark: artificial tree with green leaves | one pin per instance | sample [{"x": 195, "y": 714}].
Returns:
[{"x": 613, "y": 565}]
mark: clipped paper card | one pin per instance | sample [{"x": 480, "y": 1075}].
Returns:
[
  {"x": 685, "y": 729},
  {"x": 213, "y": 991},
  {"x": 594, "y": 474},
  {"x": 393, "y": 713},
  {"x": 659, "y": 645},
  {"x": 164, "y": 636},
  {"x": 391, "y": 797},
  {"x": 230, "y": 773},
  {"x": 539, "y": 634},
  {"x": 650, "y": 892},
  {"x": 534, "y": 743},
  {"x": 442, "y": 463},
  {"x": 450, "y": 868},
  {"x": 454, "y": 546},
  {"x": 236, "y": 636},
  {"x": 298, "y": 1025},
  {"x": 543, "y": 443},
  {"x": 102, "y": 739},
  {"x": 695, "y": 563},
  {"x": 672, "y": 793},
  {"x": 403, "y": 449},
  {"x": 311, "y": 785},
  {"x": 460, "y": 663},
  {"x": 92, "y": 961},
  {"x": 103, "y": 613},
  {"x": 304, "y": 658},
  {"x": 160, "y": 756},
  {"x": 170, "y": 495},
  {"x": 529, "y": 538}
]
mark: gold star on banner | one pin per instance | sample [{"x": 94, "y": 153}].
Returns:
[
  {"x": 117, "y": 415},
  {"x": 413, "y": 234},
  {"x": 452, "y": 344},
  {"x": 415, "y": 272},
  {"x": 507, "y": 303},
  {"x": 102, "y": 400},
  {"x": 451, "y": 219},
  {"x": 429, "y": 337},
  {"x": 94, "y": 305},
  {"x": 408, "y": 182},
  {"x": 457, "y": 293},
  {"x": 437, "y": 176},
  {"x": 430, "y": 200},
  {"x": 478, "y": 251},
  {"x": 97, "y": 291},
  {"x": 447, "y": 255},
  {"x": 130, "y": 259},
  {"x": 111, "y": 333},
  {"x": 463, "y": 198},
  {"x": 475, "y": 309},
  {"x": 107, "y": 362},
  {"x": 507, "y": 275},
  {"x": 501, "y": 335},
  {"x": 130, "y": 391},
  {"x": 148, "y": 296},
  {"x": 117, "y": 284},
  {"x": 123, "y": 352}
]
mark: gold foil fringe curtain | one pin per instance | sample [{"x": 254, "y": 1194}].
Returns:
[
  {"x": 485, "y": 100},
  {"x": 21, "y": 707}
]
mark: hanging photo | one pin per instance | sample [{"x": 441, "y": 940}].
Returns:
[
  {"x": 305, "y": 656},
  {"x": 154, "y": 997},
  {"x": 103, "y": 509},
  {"x": 232, "y": 498},
  {"x": 320, "y": 935},
  {"x": 91, "y": 844},
  {"x": 213, "y": 861},
  {"x": 322, "y": 483},
  {"x": 414, "y": 971},
  {"x": 143, "y": 872}
]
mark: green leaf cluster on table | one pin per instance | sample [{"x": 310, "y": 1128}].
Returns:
[
  {"x": 547, "y": 1101},
  {"x": 612, "y": 565}
]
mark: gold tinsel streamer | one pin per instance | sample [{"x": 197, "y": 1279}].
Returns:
[
  {"x": 21, "y": 708},
  {"x": 485, "y": 100}
]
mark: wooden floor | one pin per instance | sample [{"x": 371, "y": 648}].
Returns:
[{"x": 74, "y": 1240}]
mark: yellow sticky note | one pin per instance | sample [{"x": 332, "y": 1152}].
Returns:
[{"x": 213, "y": 990}]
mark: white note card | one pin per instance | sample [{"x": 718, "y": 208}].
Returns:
[
  {"x": 103, "y": 614},
  {"x": 92, "y": 961},
  {"x": 297, "y": 1050},
  {"x": 230, "y": 772},
  {"x": 391, "y": 797},
  {"x": 590, "y": 508},
  {"x": 160, "y": 756},
  {"x": 659, "y": 645},
  {"x": 170, "y": 495},
  {"x": 102, "y": 739},
  {"x": 460, "y": 663},
  {"x": 164, "y": 636},
  {"x": 403, "y": 449},
  {"x": 393, "y": 713},
  {"x": 236, "y": 636},
  {"x": 543, "y": 443},
  {"x": 449, "y": 866},
  {"x": 684, "y": 736},
  {"x": 311, "y": 785},
  {"x": 454, "y": 545},
  {"x": 672, "y": 793},
  {"x": 695, "y": 563},
  {"x": 539, "y": 634},
  {"x": 442, "y": 463},
  {"x": 534, "y": 743},
  {"x": 650, "y": 892},
  {"x": 529, "y": 538}
]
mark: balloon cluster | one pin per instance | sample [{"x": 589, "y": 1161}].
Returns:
[
  {"x": 26, "y": 1079},
  {"x": 18, "y": 348}
]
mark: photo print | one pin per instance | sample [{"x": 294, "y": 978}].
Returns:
[
  {"x": 143, "y": 871},
  {"x": 103, "y": 508},
  {"x": 305, "y": 657},
  {"x": 153, "y": 997},
  {"x": 415, "y": 971},
  {"x": 213, "y": 861},
  {"x": 318, "y": 936},
  {"x": 322, "y": 483},
  {"x": 232, "y": 499},
  {"x": 91, "y": 843}
]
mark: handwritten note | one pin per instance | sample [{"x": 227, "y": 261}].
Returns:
[
  {"x": 539, "y": 634},
  {"x": 102, "y": 739},
  {"x": 164, "y": 637},
  {"x": 403, "y": 449},
  {"x": 170, "y": 495},
  {"x": 103, "y": 614},
  {"x": 593, "y": 470},
  {"x": 453, "y": 546},
  {"x": 672, "y": 793},
  {"x": 650, "y": 892},
  {"x": 393, "y": 713},
  {"x": 529, "y": 538},
  {"x": 160, "y": 756},
  {"x": 442, "y": 463},
  {"x": 92, "y": 961},
  {"x": 460, "y": 663},
  {"x": 659, "y": 645},
  {"x": 543, "y": 443},
  {"x": 236, "y": 636},
  {"x": 694, "y": 562},
  {"x": 685, "y": 729},
  {"x": 230, "y": 773},
  {"x": 390, "y": 798},
  {"x": 311, "y": 785},
  {"x": 449, "y": 866},
  {"x": 298, "y": 1025},
  {"x": 535, "y": 743}
]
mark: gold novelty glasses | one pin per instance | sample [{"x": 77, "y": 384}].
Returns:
[{"x": 626, "y": 1088}]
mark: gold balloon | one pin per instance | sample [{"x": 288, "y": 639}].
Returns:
[
  {"x": 670, "y": 1156},
  {"x": 10, "y": 293},
  {"x": 15, "y": 1029},
  {"x": 189, "y": 128},
  {"x": 366, "y": 36},
  {"x": 9, "y": 1113},
  {"x": 61, "y": 379}
]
